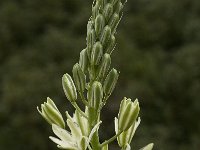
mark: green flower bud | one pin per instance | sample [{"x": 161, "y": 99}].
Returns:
[
  {"x": 127, "y": 114},
  {"x": 105, "y": 37},
  {"x": 104, "y": 67},
  {"x": 69, "y": 87},
  {"x": 118, "y": 7},
  {"x": 125, "y": 138},
  {"x": 114, "y": 2},
  {"x": 102, "y": 3},
  {"x": 95, "y": 10},
  {"x": 90, "y": 42},
  {"x": 51, "y": 114},
  {"x": 97, "y": 53},
  {"x": 83, "y": 61},
  {"x": 114, "y": 22},
  {"x": 110, "y": 82},
  {"x": 79, "y": 78},
  {"x": 95, "y": 95},
  {"x": 111, "y": 45},
  {"x": 99, "y": 24},
  {"x": 108, "y": 11},
  {"x": 89, "y": 26}
]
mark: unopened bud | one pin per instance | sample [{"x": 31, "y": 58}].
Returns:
[
  {"x": 89, "y": 26},
  {"x": 79, "y": 78},
  {"x": 114, "y": 1},
  {"x": 105, "y": 37},
  {"x": 118, "y": 7},
  {"x": 95, "y": 10},
  {"x": 111, "y": 45},
  {"x": 83, "y": 61},
  {"x": 127, "y": 114},
  {"x": 97, "y": 53},
  {"x": 110, "y": 81},
  {"x": 99, "y": 24},
  {"x": 114, "y": 21},
  {"x": 95, "y": 95},
  {"x": 102, "y": 3},
  {"x": 69, "y": 87},
  {"x": 90, "y": 41},
  {"x": 105, "y": 65},
  {"x": 108, "y": 11},
  {"x": 126, "y": 137},
  {"x": 51, "y": 114}
]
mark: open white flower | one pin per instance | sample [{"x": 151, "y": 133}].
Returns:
[{"x": 76, "y": 139}]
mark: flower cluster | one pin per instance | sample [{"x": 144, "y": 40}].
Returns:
[{"x": 92, "y": 82}]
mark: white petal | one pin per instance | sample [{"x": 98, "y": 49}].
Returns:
[
  {"x": 95, "y": 128},
  {"x": 148, "y": 147},
  {"x": 116, "y": 125},
  {"x": 64, "y": 135},
  {"x": 82, "y": 122},
  {"x": 62, "y": 144},
  {"x": 75, "y": 130},
  {"x": 137, "y": 123}
]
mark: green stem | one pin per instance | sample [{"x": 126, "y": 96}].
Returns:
[
  {"x": 111, "y": 139},
  {"x": 95, "y": 141},
  {"x": 93, "y": 119}
]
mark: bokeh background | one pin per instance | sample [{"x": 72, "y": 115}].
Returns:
[{"x": 158, "y": 55}]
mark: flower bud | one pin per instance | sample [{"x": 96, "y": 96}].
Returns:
[
  {"x": 111, "y": 45},
  {"x": 118, "y": 7},
  {"x": 125, "y": 138},
  {"x": 105, "y": 37},
  {"x": 89, "y": 26},
  {"x": 114, "y": 22},
  {"x": 99, "y": 24},
  {"x": 95, "y": 95},
  {"x": 95, "y": 10},
  {"x": 83, "y": 61},
  {"x": 102, "y": 3},
  {"x": 69, "y": 87},
  {"x": 114, "y": 1},
  {"x": 127, "y": 114},
  {"x": 97, "y": 53},
  {"x": 79, "y": 78},
  {"x": 110, "y": 81},
  {"x": 90, "y": 41},
  {"x": 51, "y": 114},
  {"x": 104, "y": 67},
  {"x": 108, "y": 11}
]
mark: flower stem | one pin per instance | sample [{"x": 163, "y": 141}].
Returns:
[{"x": 111, "y": 139}]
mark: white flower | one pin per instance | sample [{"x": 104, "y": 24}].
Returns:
[{"x": 76, "y": 139}]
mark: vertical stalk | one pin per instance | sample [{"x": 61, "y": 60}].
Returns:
[{"x": 93, "y": 119}]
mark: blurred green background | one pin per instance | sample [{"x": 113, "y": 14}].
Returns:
[{"x": 158, "y": 55}]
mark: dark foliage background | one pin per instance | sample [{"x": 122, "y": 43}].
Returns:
[{"x": 158, "y": 54}]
